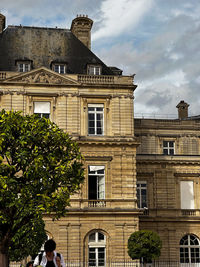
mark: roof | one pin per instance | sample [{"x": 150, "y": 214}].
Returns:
[{"x": 42, "y": 46}]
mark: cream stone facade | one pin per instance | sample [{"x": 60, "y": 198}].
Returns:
[
  {"x": 168, "y": 171},
  {"x": 96, "y": 109},
  {"x": 139, "y": 174}
]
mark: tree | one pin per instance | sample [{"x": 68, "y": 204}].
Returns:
[
  {"x": 144, "y": 244},
  {"x": 40, "y": 167},
  {"x": 28, "y": 240}
]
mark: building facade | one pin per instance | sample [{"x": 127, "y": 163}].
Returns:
[
  {"x": 168, "y": 171},
  {"x": 53, "y": 72}
]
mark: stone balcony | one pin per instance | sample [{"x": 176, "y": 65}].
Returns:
[
  {"x": 174, "y": 213},
  {"x": 104, "y": 203}
]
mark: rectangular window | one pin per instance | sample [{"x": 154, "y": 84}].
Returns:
[
  {"x": 42, "y": 109},
  {"x": 142, "y": 194},
  {"x": 187, "y": 195},
  {"x": 60, "y": 68},
  {"x": 96, "y": 182},
  {"x": 24, "y": 67},
  {"x": 95, "y": 119},
  {"x": 97, "y": 257},
  {"x": 94, "y": 70},
  {"x": 168, "y": 148}
]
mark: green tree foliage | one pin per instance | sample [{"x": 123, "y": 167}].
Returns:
[
  {"x": 144, "y": 244},
  {"x": 28, "y": 239},
  {"x": 40, "y": 167}
]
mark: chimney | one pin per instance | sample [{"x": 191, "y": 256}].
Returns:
[
  {"x": 2, "y": 22},
  {"x": 81, "y": 27},
  {"x": 182, "y": 110}
]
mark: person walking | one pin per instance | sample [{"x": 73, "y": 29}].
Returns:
[{"x": 49, "y": 258}]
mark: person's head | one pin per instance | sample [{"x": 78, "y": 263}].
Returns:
[
  {"x": 49, "y": 246},
  {"x": 29, "y": 264}
]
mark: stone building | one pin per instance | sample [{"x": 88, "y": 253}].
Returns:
[
  {"x": 168, "y": 185},
  {"x": 53, "y": 72},
  {"x": 142, "y": 175}
]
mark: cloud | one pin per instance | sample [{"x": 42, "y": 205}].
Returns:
[
  {"x": 166, "y": 65},
  {"x": 117, "y": 17},
  {"x": 46, "y": 13}
]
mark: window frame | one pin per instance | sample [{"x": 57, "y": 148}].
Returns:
[
  {"x": 168, "y": 147},
  {"x": 94, "y": 70},
  {"x": 100, "y": 195},
  {"x": 96, "y": 246},
  {"x": 95, "y": 113},
  {"x": 42, "y": 115},
  {"x": 59, "y": 65},
  {"x": 23, "y": 66},
  {"x": 139, "y": 194},
  {"x": 187, "y": 249}
]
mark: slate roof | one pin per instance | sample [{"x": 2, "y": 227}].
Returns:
[{"x": 43, "y": 46}]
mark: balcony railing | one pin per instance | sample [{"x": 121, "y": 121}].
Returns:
[
  {"x": 171, "y": 212},
  {"x": 104, "y": 203},
  {"x": 96, "y": 79},
  {"x": 2, "y": 75},
  {"x": 96, "y": 203}
]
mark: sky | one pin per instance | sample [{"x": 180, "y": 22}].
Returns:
[{"x": 157, "y": 40}]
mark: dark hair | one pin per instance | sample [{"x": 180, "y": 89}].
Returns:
[
  {"x": 29, "y": 263},
  {"x": 50, "y": 245}
]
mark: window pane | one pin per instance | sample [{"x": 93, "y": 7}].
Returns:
[
  {"x": 171, "y": 144},
  {"x": 91, "y": 131},
  {"x": 62, "y": 69},
  {"x": 91, "y": 124},
  {"x": 100, "y": 237},
  {"x": 99, "y": 131},
  {"x": 165, "y": 151},
  {"x": 101, "y": 256},
  {"x": 56, "y": 68},
  {"x": 92, "y": 237},
  {"x": 92, "y": 257}
]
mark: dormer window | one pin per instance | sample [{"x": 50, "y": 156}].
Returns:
[
  {"x": 23, "y": 66},
  {"x": 94, "y": 70},
  {"x": 59, "y": 68}
]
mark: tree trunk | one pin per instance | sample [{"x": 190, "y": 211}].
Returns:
[{"x": 4, "y": 260}]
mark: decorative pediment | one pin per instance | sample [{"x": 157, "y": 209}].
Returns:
[{"x": 42, "y": 76}]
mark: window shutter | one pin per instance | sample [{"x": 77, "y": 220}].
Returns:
[
  {"x": 42, "y": 107},
  {"x": 187, "y": 195}
]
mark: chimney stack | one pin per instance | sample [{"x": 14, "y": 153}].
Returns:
[
  {"x": 2, "y": 22},
  {"x": 81, "y": 27},
  {"x": 182, "y": 110}
]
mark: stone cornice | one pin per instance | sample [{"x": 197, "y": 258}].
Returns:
[
  {"x": 173, "y": 160},
  {"x": 82, "y": 140}
]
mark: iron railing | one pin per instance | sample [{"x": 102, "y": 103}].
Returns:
[{"x": 122, "y": 264}]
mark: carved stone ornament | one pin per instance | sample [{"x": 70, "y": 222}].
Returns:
[{"x": 42, "y": 76}]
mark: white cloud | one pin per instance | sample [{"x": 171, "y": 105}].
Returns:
[{"x": 120, "y": 16}]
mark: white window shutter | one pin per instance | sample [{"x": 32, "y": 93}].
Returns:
[
  {"x": 42, "y": 107},
  {"x": 187, "y": 195}
]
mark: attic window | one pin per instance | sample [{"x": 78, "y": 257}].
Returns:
[
  {"x": 23, "y": 66},
  {"x": 94, "y": 70},
  {"x": 59, "y": 68}
]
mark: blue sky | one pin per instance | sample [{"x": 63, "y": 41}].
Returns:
[{"x": 157, "y": 40}]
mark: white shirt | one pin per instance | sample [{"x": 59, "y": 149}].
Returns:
[{"x": 44, "y": 260}]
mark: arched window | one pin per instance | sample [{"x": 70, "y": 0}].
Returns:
[
  {"x": 190, "y": 249},
  {"x": 97, "y": 249}
]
